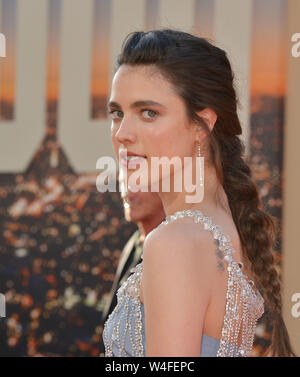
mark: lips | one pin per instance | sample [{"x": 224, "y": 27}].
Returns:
[
  {"x": 128, "y": 161},
  {"x": 123, "y": 153},
  {"x": 126, "y": 157}
]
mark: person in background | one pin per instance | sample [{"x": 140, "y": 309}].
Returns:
[{"x": 146, "y": 210}]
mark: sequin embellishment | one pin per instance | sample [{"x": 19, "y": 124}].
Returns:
[{"x": 244, "y": 306}]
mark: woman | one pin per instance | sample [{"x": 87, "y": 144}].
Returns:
[{"x": 207, "y": 271}]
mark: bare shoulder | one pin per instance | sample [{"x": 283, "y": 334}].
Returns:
[
  {"x": 182, "y": 232},
  {"x": 182, "y": 245},
  {"x": 177, "y": 287}
]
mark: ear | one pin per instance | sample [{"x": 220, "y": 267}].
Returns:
[{"x": 209, "y": 116}]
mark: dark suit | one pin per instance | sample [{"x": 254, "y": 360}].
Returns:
[{"x": 130, "y": 257}]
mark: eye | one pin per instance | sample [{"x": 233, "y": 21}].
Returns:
[
  {"x": 112, "y": 113},
  {"x": 151, "y": 112}
]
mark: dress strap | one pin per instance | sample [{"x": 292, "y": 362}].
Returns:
[{"x": 224, "y": 241}]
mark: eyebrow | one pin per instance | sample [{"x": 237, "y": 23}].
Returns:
[{"x": 135, "y": 104}]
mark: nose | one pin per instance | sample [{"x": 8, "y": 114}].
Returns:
[{"x": 125, "y": 133}]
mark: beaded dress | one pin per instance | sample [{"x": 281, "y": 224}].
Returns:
[{"x": 124, "y": 329}]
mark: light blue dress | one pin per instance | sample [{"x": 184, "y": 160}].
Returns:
[
  {"x": 209, "y": 346},
  {"x": 124, "y": 329}
]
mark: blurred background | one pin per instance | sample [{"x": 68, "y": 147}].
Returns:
[{"x": 61, "y": 239}]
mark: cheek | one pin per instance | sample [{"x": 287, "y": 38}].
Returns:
[
  {"x": 157, "y": 138},
  {"x": 169, "y": 141}
]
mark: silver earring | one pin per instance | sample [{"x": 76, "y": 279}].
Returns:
[
  {"x": 198, "y": 149},
  {"x": 201, "y": 166}
]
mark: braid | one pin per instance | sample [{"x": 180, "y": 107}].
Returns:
[{"x": 257, "y": 230}]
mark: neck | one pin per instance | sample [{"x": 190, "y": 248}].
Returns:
[
  {"x": 147, "y": 224},
  {"x": 214, "y": 198}
]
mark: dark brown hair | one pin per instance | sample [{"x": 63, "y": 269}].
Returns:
[{"x": 201, "y": 75}]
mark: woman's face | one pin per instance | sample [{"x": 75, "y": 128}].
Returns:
[{"x": 157, "y": 129}]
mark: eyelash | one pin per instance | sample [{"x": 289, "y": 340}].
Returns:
[{"x": 142, "y": 110}]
